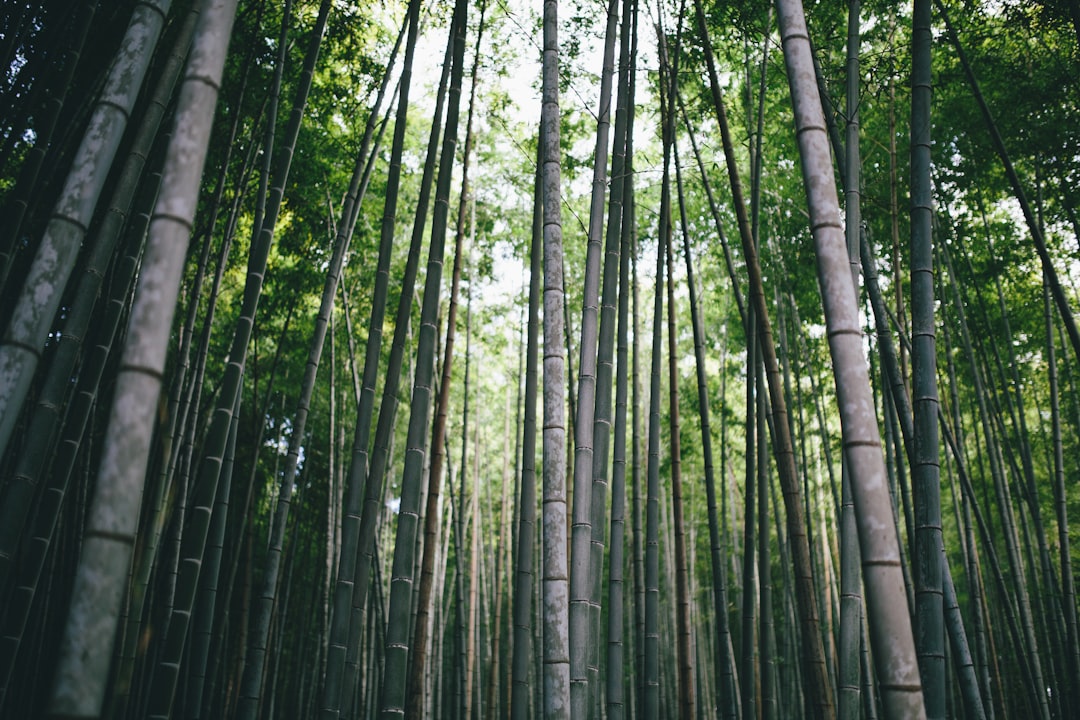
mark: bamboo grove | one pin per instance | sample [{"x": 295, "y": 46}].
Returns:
[{"x": 465, "y": 360}]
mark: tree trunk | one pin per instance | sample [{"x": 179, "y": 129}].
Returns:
[
  {"x": 397, "y": 629},
  {"x": 555, "y": 598},
  {"x": 32, "y": 317},
  {"x": 363, "y": 494},
  {"x": 79, "y": 688},
  {"x": 524, "y": 570},
  {"x": 893, "y": 643},
  {"x": 590, "y": 411},
  {"x": 414, "y": 707},
  {"x": 816, "y": 682}
]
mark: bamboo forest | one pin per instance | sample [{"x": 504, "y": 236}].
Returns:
[{"x": 582, "y": 360}]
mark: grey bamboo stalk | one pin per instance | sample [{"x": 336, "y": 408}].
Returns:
[
  {"x": 460, "y": 524},
  {"x": 46, "y": 419},
  {"x": 602, "y": 420},
  {"x": 415, "y": 695},
  {"x": 890, "y": 625},
  {"x": 497, "y": 672},
  {"x": 615, "y": 689},
  {"x": 467, "y": 629},
  {"x": 637, "y": 545},
  {"x": 401, "y": 583},
  {"x": 590, "y": 415},
  {"x": 748, "y": 675},
  {"x": 636, "y": 599},
  {"x": 724, "y": 666},
  {"x": 363, "y": 498},
  {"x": 766, "y": 629},
  {"x": 524, "y": 570},
  {"x": 258, "y": 635},
  {"x": 815, "y": 680},
  {"x": 653, "y": 511},
  {"x": 848, "y": 705},
  {"x": 683, "y": 639},
  {"x": 210, "y": 466},
  {"x": 925, "y": 470},
  {"x": 140, "y": 574},
  {"x": 43, "y": 528},
  {"x": 32, "y": 317},
  {"x": 555, "y": 587},
  {"x": 79, "y": 686},
  {"x": 185, "y": 393},
  {"x": 650, "y": 707}
]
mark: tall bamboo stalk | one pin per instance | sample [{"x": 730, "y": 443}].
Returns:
[
  {"x": 363, "y": 494},
  {"x": 890, "y": 625},
  {"x": 524, "y": 570},
  {"x": 401, "y": 583},
  {"x": 615, "y": 686},
  {"x": 651, "y": 675},
  {"x": 590, "y": 411},
  {"x": 816, "y": 680},
  {"x": 851, "y": 624},
  {"x": 421, "y": 631},
  {"x": 926, "y": 484},
  {"x": 79, "y": 687},
  {"x": 555, "y": 598},
  {"x": 43, "y": 287}
]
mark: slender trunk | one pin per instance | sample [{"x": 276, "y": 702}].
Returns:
[
  {"x": 401, "y": 586},
  {"x": 590, "y": 412},
  {"x": 79, "y": 687},
  {"x": 467, "y": 628},
  {"x": 893, "y": 642},
  {"x": 43, "y": 288},
  {"x": 685, "y": 666},
  {"x": 925, "y": 470},
  {"x": 766, "y": 631},
  {"x": 615, "y": 686},
  {"x": 414, "y": 705},
  {"x": 748, "y": 675},
  {"x": 851, "y": 624},
  {"x": 651, "y": 675},
  {"x": 555, "y": 598},
  {"x": 816, "y": 680},
  {"x": 602, "y": 421},
  {"x": 524, "y": 572}
]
